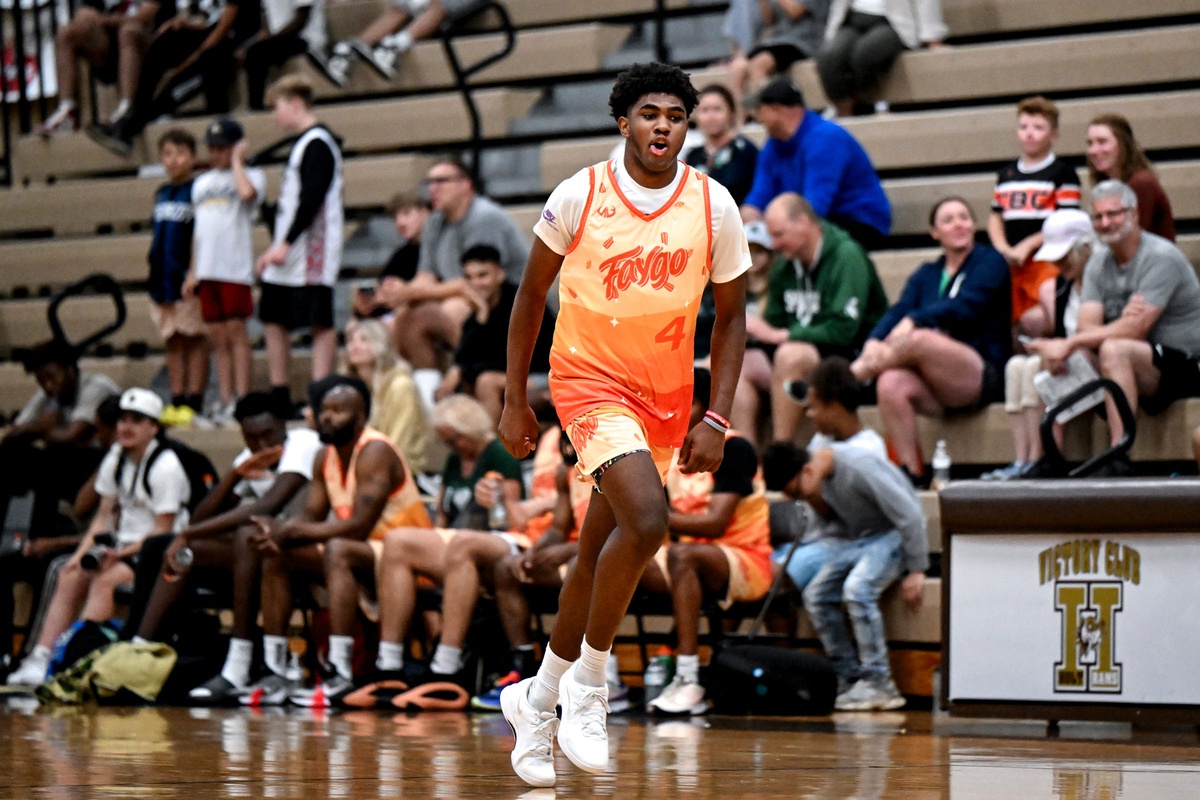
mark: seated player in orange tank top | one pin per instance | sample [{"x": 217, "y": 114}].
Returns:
[
  {"x": 633, "y": 242},
  {"x": 361, "y": 489}
]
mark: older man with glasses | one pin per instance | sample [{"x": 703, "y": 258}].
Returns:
[
  {"x": 1140, "y": 313},
  {"x": 432, "y": 307}
]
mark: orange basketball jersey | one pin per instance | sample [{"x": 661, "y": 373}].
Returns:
[
  {"x": 750, "y": 524},
  {"x": 629, "y": 291},
  {"x": 404, "y": 507}
]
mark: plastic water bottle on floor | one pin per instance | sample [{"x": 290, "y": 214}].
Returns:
[
  {"x": 941, "y": 466},
  {"x": 656, "y": 678}
]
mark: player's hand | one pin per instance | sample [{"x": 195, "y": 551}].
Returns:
[
  {"x": 258, "y": 463},
  {"x": 264, "y": 539},
  {"x": 241, "y": 149},
  {"x": 177, "y": 544},
  {"x": 189, "y": 287},
  {"x": 275, "y": 256},
  {"x": 702, "y": 450},
  {"x": 518, "y": 429},
  {"x": 1053, "y": 353},
  {"x": 913, "y": 589}
]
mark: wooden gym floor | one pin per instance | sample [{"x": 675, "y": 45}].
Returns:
[{"x": 168, "y": 753}]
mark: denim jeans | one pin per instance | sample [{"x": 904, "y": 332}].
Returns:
[
  {"x": 855, "y": 573},
  {"x": 805, "y": 563}
]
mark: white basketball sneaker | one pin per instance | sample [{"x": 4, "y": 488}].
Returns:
[
  {"x": 583, "y": 731},
  {"x": 532, "y": 756}
]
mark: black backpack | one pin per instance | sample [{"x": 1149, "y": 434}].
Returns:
[{"x": 202, "y": 475}]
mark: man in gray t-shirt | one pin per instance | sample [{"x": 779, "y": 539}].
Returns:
[
  {"x": 1139, "y": 316},
  {"x": 431, "y": 308}
]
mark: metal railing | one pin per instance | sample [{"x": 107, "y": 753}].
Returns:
[
  {"x": 463, "y": 73},
  {"x": 27, "y": 31}
]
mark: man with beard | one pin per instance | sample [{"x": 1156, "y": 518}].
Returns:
[
  {"x": 1139, "y": 315},
  {"x": 361, "y": 489}
]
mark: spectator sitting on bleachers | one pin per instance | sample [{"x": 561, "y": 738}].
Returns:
[
  {"x": 944, "y": 344},
  {"x": 49, "y": 448},
  {"x": 832, "y": 400},
  {"x": 1027, "y": 191},
  {"x": 396, "y": 408},
  {"x": 818, "y": 160},
  {"x": 756, "y": 362},
  {"x": 409, "y": 212},
  {"x": 289, "y": 28},
  {"x": 177, "y": 314},
  {"x": 266, "y": 480},
  {"x": 823, "y": 297},
  {"x": 226, "y": 201},
  {"x": 431, "y": 309},
  {"x": 790, "y": 31},
  {"x": 862, "y": 40},
  {"x": 481, "y": 359},
  {"x": 128, "y": 513},
  {"x": 1140, "y": 313},
  {"x": 1114, "y": 154},
  {"x": 361, "y": 489},
  {"x": 1067, "y": 241},
  {"x": 879, "y": 536},
  {"x": 383, "y": 42},
  {"x": 720, "y": 549},
  {"x": 726, "y": 156},
  {"x": 31, "y": 560},
  {"x": 301, "y": 267},
  {"x": 192, "y": 53},
  {"x": 463, "y": 505},
  {"x": 111, "y": 37}
]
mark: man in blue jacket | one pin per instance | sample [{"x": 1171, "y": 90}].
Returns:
[{"x": 820, "y": 161}]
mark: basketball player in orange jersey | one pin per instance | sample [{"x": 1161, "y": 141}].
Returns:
[{"x": 634, "y": 242}]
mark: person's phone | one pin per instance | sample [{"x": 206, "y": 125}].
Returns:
[{"x": 1023, "y": 339}]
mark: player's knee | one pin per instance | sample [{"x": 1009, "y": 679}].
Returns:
[{"x": 681, "y": 559}]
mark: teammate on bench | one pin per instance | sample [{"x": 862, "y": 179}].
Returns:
[
  {"x": 720, "y": 549},
  {"x": 879, "y": 535}
]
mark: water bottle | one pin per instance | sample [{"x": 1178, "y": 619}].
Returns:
[
  {"x": 180, "y": 562},
  {"x": 656, "y": 677},
  {"x": 941, "y": 466},
  {"x": 498, "y": 514},
  {"x": 294, "y": 672}
]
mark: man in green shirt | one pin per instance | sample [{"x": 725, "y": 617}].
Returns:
[{"x": 823, "y": 297}]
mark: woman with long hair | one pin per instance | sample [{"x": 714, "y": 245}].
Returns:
[{"x": 1114, "y": 153}]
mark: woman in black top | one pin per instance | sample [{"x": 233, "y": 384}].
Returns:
[{"x": 726, "y": 156}]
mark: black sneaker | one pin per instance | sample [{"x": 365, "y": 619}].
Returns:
[
  {"x": 1118, "y": 467},
  {"x": 111, "y": 138},
  {"x": 217, "y": 691},
  {"x": 381, "y": 57}
]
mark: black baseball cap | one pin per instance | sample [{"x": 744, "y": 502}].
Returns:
[
  {"x": 224, "y": 132},
  {"x": 781, "y": 91}
]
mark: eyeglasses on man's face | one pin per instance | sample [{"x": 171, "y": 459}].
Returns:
[{"x": 1101, "y": 216}]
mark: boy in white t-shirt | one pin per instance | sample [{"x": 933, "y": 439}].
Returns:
[
  {"x": 226, "y": 200},
  {"x": 140, "y": 495}
]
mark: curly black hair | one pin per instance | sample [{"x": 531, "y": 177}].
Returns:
[{"x": 643, "y": 79}]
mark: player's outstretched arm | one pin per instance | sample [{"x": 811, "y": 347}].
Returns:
[
  {"x": 704, "y": 446},
  {"x": 518, "y": 426}
]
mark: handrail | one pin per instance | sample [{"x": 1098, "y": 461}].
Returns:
[
  {"x": 462, "y": 74},
  {"x": 1054, "y": 457},
  {"x": 97, "y": 283}
]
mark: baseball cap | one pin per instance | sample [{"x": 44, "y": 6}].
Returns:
[
  {"x": 142, "y": 401},
  {"x": 224, "y": 132},
  {"x": 780, "y": 90},
  {"x": 1061, "y": 231},
  {"x": 756, "y": 233}
]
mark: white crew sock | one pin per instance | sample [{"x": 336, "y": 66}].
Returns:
[
  {"x": 427, "y": 382},
  {"x": 140, "y": 640},
  {"x": 401, "y": 42},
  {"x": 391, "y": 657},
  {"x": 590, "y": 669},
  {"x": 275, "y": 650},
  {"x": 39, "y": 653},
  {"x": 237, "y": 662},
  {"x": 543, "y": 692},
  {"x": 341, "y": 649},
  {"x": 121, "y": 110},
  {"x": 688, "y": 668},
  {"x": 447, "y": 660}
]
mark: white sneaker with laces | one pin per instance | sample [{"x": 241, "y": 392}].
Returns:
[
  {"x": 583, "y": 731},
  {"x": 681, "y": 697},
  {"x": 867, "y": 695},
  {"x": 533, "y": 754}
]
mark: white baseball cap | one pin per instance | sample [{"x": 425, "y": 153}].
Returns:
[
  {"x": 142, "y": 401},
  {"x": 1061, "y": 231},
  {"x": 756, "y": 233}
]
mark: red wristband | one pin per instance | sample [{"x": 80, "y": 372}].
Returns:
[{"x": 717, "y": 418}]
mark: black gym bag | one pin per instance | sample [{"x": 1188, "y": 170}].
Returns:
[{"x": 750, "y": 678}]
